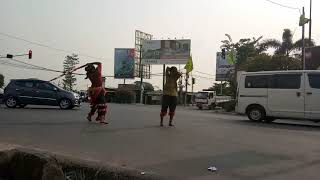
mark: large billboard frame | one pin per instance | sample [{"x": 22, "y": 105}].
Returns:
[{"x": 146, "y": 69}]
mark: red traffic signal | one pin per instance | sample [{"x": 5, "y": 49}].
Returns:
[{"x": 30, "y": 54}]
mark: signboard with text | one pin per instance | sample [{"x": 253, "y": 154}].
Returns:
[{"x": 166, "y": 51}]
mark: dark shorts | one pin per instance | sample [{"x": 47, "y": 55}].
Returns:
[{"x": 168, "y": 102}]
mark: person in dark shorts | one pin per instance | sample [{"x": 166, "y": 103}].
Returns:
[{"x": 169, "y": 98}]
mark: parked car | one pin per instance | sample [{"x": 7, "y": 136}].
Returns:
[
  {"x": 279, "y": 95},
  {"x": 21, "y": 92}
]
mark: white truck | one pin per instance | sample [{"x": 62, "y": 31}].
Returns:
[{"x": 209, "y": 99}]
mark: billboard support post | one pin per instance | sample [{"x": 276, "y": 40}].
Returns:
[{"x": 141, "y": 75}]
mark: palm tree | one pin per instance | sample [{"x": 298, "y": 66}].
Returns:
[{"x": 287, "y": 46}]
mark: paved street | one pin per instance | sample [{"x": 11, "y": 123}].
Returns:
[{"x": 238, "y": 148}]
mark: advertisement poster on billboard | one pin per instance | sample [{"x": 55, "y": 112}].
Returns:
[
  {"x": 312, "y": 58},
  {"x": 223, "y": 68},
  {"x": 124, "y": 63},
  {"x": 166, "y": 51}
]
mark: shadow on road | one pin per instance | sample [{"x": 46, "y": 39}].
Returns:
[
  {"x": 281, "y": 125},
  {"x": 53, "y": 108}
]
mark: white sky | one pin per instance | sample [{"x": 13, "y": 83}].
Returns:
[{"x": 96, "y": 27}]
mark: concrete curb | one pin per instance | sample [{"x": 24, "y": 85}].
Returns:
[{"x": 36, "y": 165}]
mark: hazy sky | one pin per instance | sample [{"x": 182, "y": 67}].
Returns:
[{"x": 96, "y": 27}]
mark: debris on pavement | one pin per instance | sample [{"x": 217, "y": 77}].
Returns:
[{"x": 212, "y": 169}]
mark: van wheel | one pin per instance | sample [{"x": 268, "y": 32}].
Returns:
[
  {"x": 256, "y": 113},
  {"x": 212, "y": 106},
  {"x": 11, "y": 102},
  {"x": 65, "y": 103}
]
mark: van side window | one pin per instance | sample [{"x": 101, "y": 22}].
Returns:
[
  {"x": 286, "y": 81},
  {"x": 256, "y": 81},
  {"x": 314, "y": 80}
]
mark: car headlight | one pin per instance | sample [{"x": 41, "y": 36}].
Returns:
[{"x": 76, "y": 95}]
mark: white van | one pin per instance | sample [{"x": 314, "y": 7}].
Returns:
[{"x": 270, "y": 95}]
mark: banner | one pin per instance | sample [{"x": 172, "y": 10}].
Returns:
[
  {"x": 312, "y": 58},
  {"x": 223, "y": 68},
  {"x": 165, "y": 51},
  {"x": 124, "y": 63}
]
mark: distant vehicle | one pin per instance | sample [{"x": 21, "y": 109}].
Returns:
[
  {"x": 21, "y": 92},
  {"x": 209, "y": 99},
  {"x": 266, "y": 96}
]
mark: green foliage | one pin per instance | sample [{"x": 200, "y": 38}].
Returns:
[
  {"x": 1, "y": 80},
  {"x": 229, "y": 106},
  {"x": 287, "y": 47},
  {"x": 69, "y": 64},
  {"x": 226, "y": 88},
  {"x": 124, "y": 96}
]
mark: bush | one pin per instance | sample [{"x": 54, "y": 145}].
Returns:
[
  {"x": 124, "y": 96},
  {"x": 229, "y": 106}
]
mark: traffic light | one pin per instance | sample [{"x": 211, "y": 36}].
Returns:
[
  {"x": 30, "y": 54},
  {"x": 193, "y": 80},
  {"x": 9, "y": 56},
  {"x": 223, "y": 53}
]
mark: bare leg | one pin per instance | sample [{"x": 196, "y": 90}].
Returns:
[{"x": 171, "y": 119}]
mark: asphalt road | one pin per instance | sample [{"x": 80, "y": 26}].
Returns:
[{"x": 238, "y": 148}]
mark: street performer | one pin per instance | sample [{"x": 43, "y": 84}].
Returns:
[
  {"x": 169, "y": 98},
  {"x": 96, "y": 92}
]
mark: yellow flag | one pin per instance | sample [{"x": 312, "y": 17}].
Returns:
[
  {"x": 189, "y": 65},
  {"x": 303, "y": 20}
]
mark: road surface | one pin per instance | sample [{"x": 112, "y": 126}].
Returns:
[{"x": 238, "y": 148}]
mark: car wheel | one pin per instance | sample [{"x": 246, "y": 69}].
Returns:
[
  {"x": 65, "y": 103},
  {"x": 200, "y": 107},
  {"x": 256, "y": 113},
  {"x": 11, "y": 102}
]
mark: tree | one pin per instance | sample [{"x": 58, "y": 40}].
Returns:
[
  {"x": 265, "y": 62},
  {"x": 287, "y": 47},
  {"x": 70, "y": 63},
  {"x": 1, "y": 80}
]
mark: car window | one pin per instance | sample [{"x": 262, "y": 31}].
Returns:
[
  {"x": 286, "y": 81},
  {"x": 28, "y": 84},
  {"x": 256, "y": 81},
  {"x": 44, "y": 86},
  {"x": 314, "y": 80}
]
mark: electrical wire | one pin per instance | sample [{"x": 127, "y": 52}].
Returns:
[
  {"x": 47, "y": 46},
  {"x": 284, "y": 6}
]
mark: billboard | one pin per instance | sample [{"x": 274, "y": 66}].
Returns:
[
  {"x": 166, "y": 51},
  {"x": 124, "y": 63},
  {"x": 223, "y": 68},
  {"x": 312, "y": 58}
]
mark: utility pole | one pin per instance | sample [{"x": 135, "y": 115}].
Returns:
[
  {"x": 141, "y": 75},
  {"x": 310, "y": 21},
  {"x": 185, "y": 95},
  {"x": 303, "y": 43},
  {"x": 164, "y": 76}
]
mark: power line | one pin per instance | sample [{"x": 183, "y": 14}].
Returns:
[
  {"x": 284, "y": 6},
  {"x": 46, "y": 46},
  {"x": 205, "y": 73}
]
